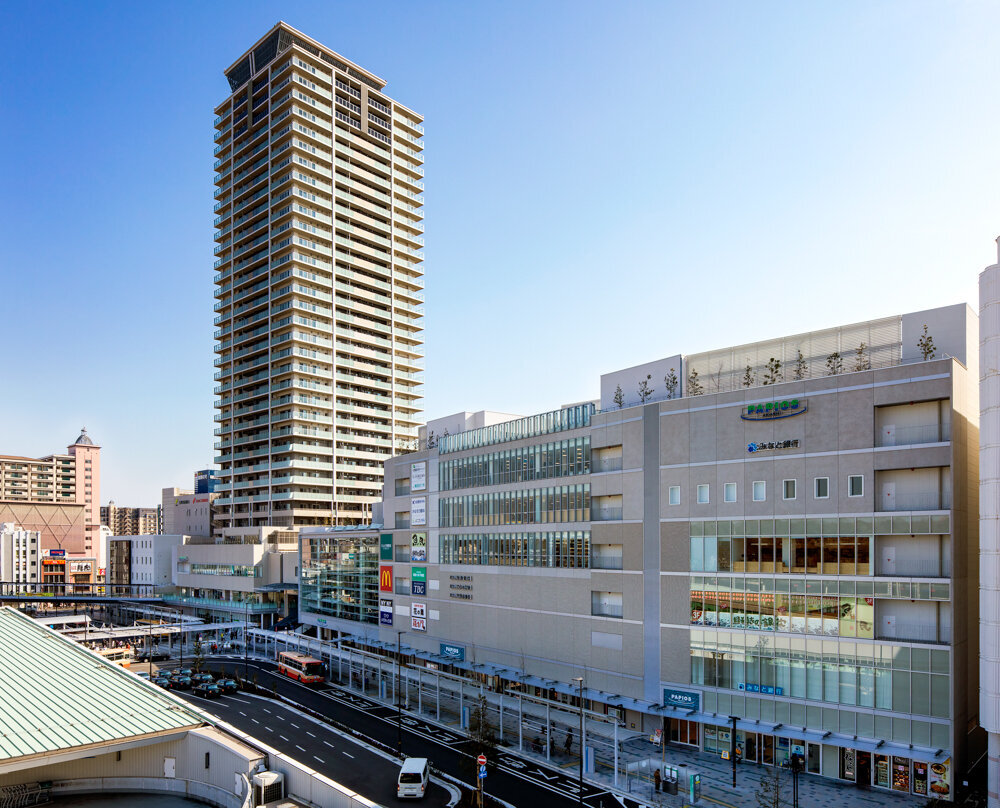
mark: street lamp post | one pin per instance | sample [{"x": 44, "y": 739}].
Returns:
[
  {"x": 732, "y": 747},
  {"x": 579, "y": 682},
  {"x": 246, "y": 635},
  {"x": 796, "y": 766},
  {"x": 399, "y": 702}
]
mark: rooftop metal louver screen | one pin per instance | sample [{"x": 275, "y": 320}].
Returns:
[{"x": 726, "y": 370}]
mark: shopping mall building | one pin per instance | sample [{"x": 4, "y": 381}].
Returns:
[{"x": 780, "y": 538}]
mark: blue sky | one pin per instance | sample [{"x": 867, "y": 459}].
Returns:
[{"x": 607, "y": 183}]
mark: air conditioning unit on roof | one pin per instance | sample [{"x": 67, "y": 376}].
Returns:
[{"x": 268, "y": 787}]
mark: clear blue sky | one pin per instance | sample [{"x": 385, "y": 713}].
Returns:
[{"x": 606, "y": 184}]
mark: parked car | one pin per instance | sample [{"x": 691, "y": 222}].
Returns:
[
  {"x": 181, "y": 682},
  {"x": 164, "y": 682},
  {"x": 142, "y": 675},
  {"x": 199, "y": 678},
  {"x": 183, "y": 672},
  {"x": 152, "y": 656},
  {"x": 228, "y": 685},
  {"x": 207, "y": 690}
]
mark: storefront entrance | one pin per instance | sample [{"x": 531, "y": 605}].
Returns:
[{"x": 864, "y": 769}]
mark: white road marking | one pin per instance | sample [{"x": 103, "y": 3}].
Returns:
[
  {"x": 295, "y": 725},
  {"x": 329, "y": 744},
  {"x": 283, "y": 737},
  {"x": 310, "y": 734},
  {"x": 350, "y": 756},
  {"x": 255, "y": 720},
  {"x": 319, "y": 759},
  {"x": 243, "y": 714},
  {"x": 299, "y": 748},
  {"x": 266, "y": 710}
]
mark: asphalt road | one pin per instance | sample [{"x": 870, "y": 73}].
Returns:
[
  {"x": 520, "y": 782},
  {"x": 315, "y": 745}
]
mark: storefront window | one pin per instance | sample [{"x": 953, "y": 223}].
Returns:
[
  {"x": 882, "y": 770},
  {"x": 901, "y": 774},
  {"x": 848, "y": 764}
]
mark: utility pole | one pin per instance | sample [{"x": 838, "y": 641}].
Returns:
[
  {"x": 399, "y": 703},
  {"x": 796, "y": 766},
  {"x": 246, "y": 635},
  {"x": 732, "y": 746},
  {"x": 579, "y": 682}
]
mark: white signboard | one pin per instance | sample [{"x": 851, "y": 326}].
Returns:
[
  {"x": 418, "y": 476},
  {"x": 418, "y": 547},
  {"x": 418, "y": 610},
  {"x": 418, "y": 511},
  {"x": 418, "y": 623}
]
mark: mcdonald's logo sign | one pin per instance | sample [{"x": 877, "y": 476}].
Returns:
[{"x": 385, "y": 579}]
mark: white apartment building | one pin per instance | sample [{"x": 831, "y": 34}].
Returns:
[
  {"x": 19, "y": 554},
  {"x": 319, "y": 285},
  {"x": 144, "y": 560}
]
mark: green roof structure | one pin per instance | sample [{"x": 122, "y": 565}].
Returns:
[{"x": 57, "y": 696}]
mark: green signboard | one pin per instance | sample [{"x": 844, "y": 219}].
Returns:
[
  {"x": 385, "y": 547},
  {"x": 418, "y": 573}
]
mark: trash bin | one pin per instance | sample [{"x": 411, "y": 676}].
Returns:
[{"x": 670, "y": 786}]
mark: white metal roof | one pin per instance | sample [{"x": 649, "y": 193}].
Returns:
[{"x": 57, "y": 695}]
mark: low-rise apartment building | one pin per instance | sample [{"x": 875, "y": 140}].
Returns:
[
  {"x": 773, "y": 552},
  {"x": 19, "y": 554},
  {"x": 145, "y": 560}
]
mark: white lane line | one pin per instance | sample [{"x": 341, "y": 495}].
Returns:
[
  {"x": 319, "y": 759},
  {"x": 266, "y": 710},
  {"x": 279, "y": 715},
  {"x": 295, "y": 725},
  {"x": 283, "y": 737},
  {"x": 310, "y": 734},
  {"x": 243, "y": 701},
  {"x": 299, "y": 748},
  {"x": 243, "y": 714},
  {"x": 255, "y": 720},
  {"x": 349, "y": 755},
  {"x": 329, "y": 744}
]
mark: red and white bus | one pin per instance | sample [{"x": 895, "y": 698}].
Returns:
[{"x": 301, "y": 667}]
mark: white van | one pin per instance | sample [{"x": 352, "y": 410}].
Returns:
[{"x": 414, "y": 777}]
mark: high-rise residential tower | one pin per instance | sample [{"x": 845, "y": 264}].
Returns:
[{"x": 318, "y": 286}]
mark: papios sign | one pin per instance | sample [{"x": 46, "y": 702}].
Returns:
[{"x": 773, "y": 409}]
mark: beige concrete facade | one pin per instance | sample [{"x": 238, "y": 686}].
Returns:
[
  {"x": 801, "y": 555},
  {"x": 318, "y": 286}
]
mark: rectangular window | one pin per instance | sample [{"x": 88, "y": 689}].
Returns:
[
  {"x": 703, "y": 494},
  {"x": 759, "y": 491},
  {"x": 729, "y": 492},
  {"x": 855, "y": 485},
  {"x": 674, "y": 495},
  {"x": 821, "y": 487},
  {"x": 788, "y": 489}
]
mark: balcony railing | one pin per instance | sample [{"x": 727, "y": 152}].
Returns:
[
  {"x": 914, "y": 502},
  {"x": 914, "y": 632},
  {"x": 607, "y": 464},
  {"x": 905, "y": 568},
  {"x": 911, "y": 435},
  {"x": 606, "y": 562},
  {"x": 607, "y": 610},
  {"x": 606, "y": 515}
]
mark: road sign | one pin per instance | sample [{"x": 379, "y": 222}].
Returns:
[
  {"x": 482, "y": 772},
  {"x": 481, "y": 760}
]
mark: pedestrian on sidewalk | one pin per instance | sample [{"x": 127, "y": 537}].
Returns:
[
  {"x": 569, "y": 741},
  {"x": 656, "y": 780}
]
